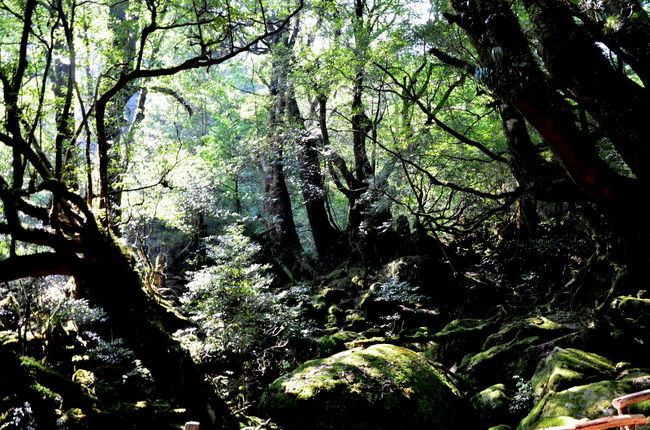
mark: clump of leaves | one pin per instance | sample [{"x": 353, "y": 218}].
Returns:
[
  {"x": 18, "y": 418},
  {"x": 522, "y": 399},
  {"x": 397, "y": 292},
  {"x": 236, "y": 315}
]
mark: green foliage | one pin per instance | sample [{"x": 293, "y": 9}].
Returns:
[
  {"x": 18, "y": 418},
  {"x": 523, "y": 396},
  {"x": 232, "y": 305},
  {"x": 397, "y": 292},
  {"x": 35, "y": 306}
]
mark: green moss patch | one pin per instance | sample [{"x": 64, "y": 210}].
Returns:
[
  {"x": 584, "y": 401},
  {"x": 539, "y": 326},
  {"x": 379, "y": 387},
  {"x": 565, "y": 368}
]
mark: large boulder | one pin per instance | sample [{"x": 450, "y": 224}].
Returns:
[
  {"x": 571, "y": 385},
  {"x": 565, "y": 368},
  {"x": 382, "y": 387},
  {"x": 460, "y": 337},
  {"x": 589, "y": 401},
  {"x": 492, "y": 403}
]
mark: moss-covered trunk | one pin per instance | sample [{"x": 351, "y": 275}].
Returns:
[{"x": 110, "y": 280}]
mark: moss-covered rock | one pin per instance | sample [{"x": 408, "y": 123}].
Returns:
[
  {"x": 500, "y": 360},
  {"x": 333, "y": 295},
  {"x": 492, "y": 402},
  {"x": 584, "y": 401},
  {"x": 464, "y": 326},
  {"x": 564, "y": 368},
  {"x": 539, "y": 326},
  {"x": 460, "y": 337},
  {"x": 383, "y": 387},
  {"x": 330, "y": 344},
  {"x": 634, "y": 311},
  {"x": 355, "y": 320},
  {"x": 335, "y": 316}
]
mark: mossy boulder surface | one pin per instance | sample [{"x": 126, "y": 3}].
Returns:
[
  {"x": 460, "y": 337},
  {"x": 499, "y": 361},
  {"x": 491, "y": 402},
  {"x": 382, "y": 387},
  {"x": 634, "y": 311},
  {"x": 564, "y": 368},
  {"x": 589, "y": 401},
  {"x": 540, "y": 326}
]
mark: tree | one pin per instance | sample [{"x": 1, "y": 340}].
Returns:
[
  {"x": 587, "y": 64},
  {"x": 53, "y": 228}
]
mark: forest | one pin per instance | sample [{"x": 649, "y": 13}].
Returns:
[{"x": 324, "y": 214}]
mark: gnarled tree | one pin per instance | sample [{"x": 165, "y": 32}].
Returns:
[{"x": 52, "y": 227}]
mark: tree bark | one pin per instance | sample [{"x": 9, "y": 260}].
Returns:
[
  {"x": 312, "y": 186},
  {"x": 108, "y": 279},
  {"x": 619, "y": 104},
  {"x": 519, "y": 81}
]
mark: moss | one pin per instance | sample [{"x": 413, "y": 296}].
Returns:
[
  {"x": 366, "y": 342},
  {"x": 354, "y": 319},
  {"x": 460, "y": 337},
  {"x": 564, "y": 368},
  {"x": 365, "y": 298},
  {"x": 491, "y": 397},
  {"x": 72, "y": 392},
  {"x": 464, "y": 326},
  {"x": 635, "y": 311},
  {"x": 334, "y": 315},
  {"x": 632, "y": 304},
  {"x": 333, "y": 343},
  {"x": 381, "y": 387},
  {"x": 584, "y": 401},
  {"x": 527, "y": 327},
  {"x": 8, "y": 337},
  {"x": 486, "y": 358},
  {"x": 318, "y": 302},
  {"x": 491, "y": 402},
  {"x": 420, "y": 333},
  {"x": 333, "y": 295}
]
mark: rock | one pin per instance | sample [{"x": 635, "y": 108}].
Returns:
[
  {"x": 330, "y": 344},
  {"x": 634, "y": 311},
  {"x": 527, "y": 327},
  {"x": 355, "y": 320},
  {"x": 514, "y": 349},
  {"x": 513, "y": 358},
  {"x": 335, "y": 316},
  {"x": 564, "y": 368},
  {"x": 589, "y": 401},
  {"x": 382, "y": 387},
  {"x": 334, "y": 295},
  {"x": 492, "y": 402},
  {"x": 460, "y": 337}
]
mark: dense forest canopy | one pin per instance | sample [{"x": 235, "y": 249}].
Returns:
[{"x": 203, "y": 191}]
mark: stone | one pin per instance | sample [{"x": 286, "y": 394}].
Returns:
[
  {"x": 382, "y": 387},
  {"x": 492, "y": 402},
  {"x": 588, "y": 401},
  {"x": 564, "y": 368}
]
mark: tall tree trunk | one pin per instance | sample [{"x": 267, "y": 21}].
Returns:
[
  {"x": 113, "y": 158},
  {"x": 325, "y": 235},
  {"x": 277, "y": 201},
  {"x": 520, "y": 81},
  {"x": 108, "y": 279},
  {"x": 277, "y": 204}
]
